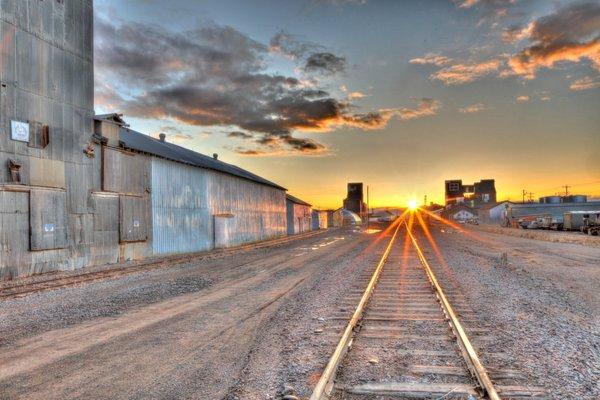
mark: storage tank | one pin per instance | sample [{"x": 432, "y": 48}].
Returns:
[
  {"x": 575, "y": 198},
  {"x": 552, "y": 199}
]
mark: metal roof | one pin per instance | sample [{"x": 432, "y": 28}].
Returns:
[
  {"x": 144, "y": 143},
  {"x": 297, "y": 200}
]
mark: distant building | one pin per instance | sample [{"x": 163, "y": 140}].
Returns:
[
  {"x": 493, "y": 213},
  {"x": 299, "y": 215},
  {"x": 459, "y": 212},
  {"x": 475, "y": 195},
  {"x": 355, "y": 200}
]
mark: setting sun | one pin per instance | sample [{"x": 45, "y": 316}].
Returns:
[{"x": 412, "y": 204}]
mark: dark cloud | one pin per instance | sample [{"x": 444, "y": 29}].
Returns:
[
  {"x": 313, "y": 56},
  {"x": 571, "y": 33},
  {"x": 216, "y": 76},
  {"x": 327, "y": 63},
  {"x": 239, "y": 135}
]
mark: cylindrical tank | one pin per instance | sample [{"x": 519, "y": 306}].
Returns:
[
  {"x": 550, "y": 200},
  {"x": 577, "y": 198}
]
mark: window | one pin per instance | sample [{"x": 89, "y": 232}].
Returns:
[
  {"x": 39, "y": 135},
  {"x": 453, "y": 187}
]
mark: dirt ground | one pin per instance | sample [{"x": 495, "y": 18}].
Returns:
[
  {"x": 544, "y": 303},
  {"x": 190, "y": 331},
  {"x": 244, "y": 325}
]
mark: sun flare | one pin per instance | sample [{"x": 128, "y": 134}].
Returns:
[{"x": 412, "y": 204}]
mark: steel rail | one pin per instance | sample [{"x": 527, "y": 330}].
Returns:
[
  {"x": 325, "y": 383},
  {"x": 468, "y": 352}
]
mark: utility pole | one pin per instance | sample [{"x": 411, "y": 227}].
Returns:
[
  {"x": 425, "y": 202},
  {"x": 530, "y": 197},
  {"x": 368, "y": 206},
  {"x": 566, "y": 189},
  {"x": 524, "y": 193}
]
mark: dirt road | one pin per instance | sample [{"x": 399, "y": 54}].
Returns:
[
  {"x": 241, "y": 326},
  {"x": 182, "y": 332}
]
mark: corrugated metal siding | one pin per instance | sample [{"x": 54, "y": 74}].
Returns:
[
  {"x": 185, "y": 200},
  {"x": 298, "y": 217},
  {"x": 48, "y": 219},
  {"x": 46, "y": 67},
  {"x": 14, "y": 235},
  {"x": 556, "y": 210},
  {"x": 133, "y": 217},
  {"x": 258, "y": 210},
  {"x": 125, "y": 172},
  {"x": 181, "y": 219}
]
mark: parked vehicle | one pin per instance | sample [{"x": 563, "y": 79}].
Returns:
[
  {"x": 591, "y": 224},
  {"x": 574, "y": 220}
]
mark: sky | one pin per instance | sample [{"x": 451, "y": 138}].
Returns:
[{"x": 400, "y": 95}]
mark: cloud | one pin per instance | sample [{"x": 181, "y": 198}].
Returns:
[
  {"x": 425, "y": 107},
  {"x": 488, "y": 10},
  {"x": 467, "y": 3},
  {"x": 369, "y": 121},
  {"x": 458, "y": 74},
  {"x": 473, "y": 108},
  {"x": 240, "y": 135},
  {"x": 585, "y": 83},
  {"x": 356, "y": 95},
  {"x": 216, "y": 76},
  {"x": 523, "y": 99},
  {"x": 249, "y": 152},
  {"x": 173, "y": 135},
  {"x": 326, "y": 63},
  {"x": 342, "y": 2},
  {"x": 517, "y": 33},
  {"x": 431, "y": 59},
  {"x": 571, "y": 34},
  {"x": 283, "y": 145},
  {"x": 314, "y": 57}
]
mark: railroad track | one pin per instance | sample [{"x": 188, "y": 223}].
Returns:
[
  {"x": 50, "y": 281},
  {"x": 405, "y": 340}
]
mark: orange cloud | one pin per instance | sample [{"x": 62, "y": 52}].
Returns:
[
  {"x": 523, "y": 99},
  {"x": 585, "y": 83},
  {"x": 473, "y": 108},
  {"x": 465, "y": 73},
  {"x": 530, "y": 59},
  {"x": 425, "y": 107},
  {"x": 356, "y": 95},
  {"x": 571, "y": 34},
  {"x": 431, "y": 59}
]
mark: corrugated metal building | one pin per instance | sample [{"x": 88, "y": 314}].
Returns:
[
  {"x": 493, "y": 213},
  {"x": 299, "y": 215},
  {"x": 47, "y": 163},
  {"x": 76, "y": 190},
  {"x": 196, "y": 202},
  {"x": 557, "y": 210},
  {"x": 319, "y": 220}
]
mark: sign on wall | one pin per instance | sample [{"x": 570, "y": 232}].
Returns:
[{"x": 19, "y": 131}]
